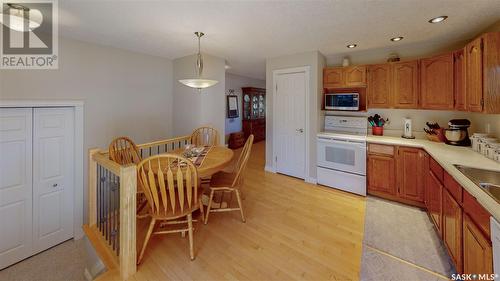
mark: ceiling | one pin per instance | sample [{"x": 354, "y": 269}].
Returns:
[{"x": 247, "y": 32}]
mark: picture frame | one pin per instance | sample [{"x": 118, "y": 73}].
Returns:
[{"x": 232, "y": 106}]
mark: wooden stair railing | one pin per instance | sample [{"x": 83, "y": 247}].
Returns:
[{"x": 112, "y": 205}]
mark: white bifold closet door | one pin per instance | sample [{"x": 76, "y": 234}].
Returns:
[
  {"x": 15, "y": 185},
  {"x": 53, "y": 135},
  {"x": 36, "y": 180}
]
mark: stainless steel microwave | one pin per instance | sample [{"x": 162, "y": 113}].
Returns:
[{"x": 342, "y": 101}]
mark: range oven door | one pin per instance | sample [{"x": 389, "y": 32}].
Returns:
[{"x": 342, "y": 155}]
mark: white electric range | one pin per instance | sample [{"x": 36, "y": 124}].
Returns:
[{"x": 342, "y": 154}]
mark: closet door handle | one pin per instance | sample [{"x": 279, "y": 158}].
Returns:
[{"x": 54, "y": 185}]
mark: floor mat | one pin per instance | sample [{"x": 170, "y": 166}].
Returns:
[{"x": 403, "y": 232}]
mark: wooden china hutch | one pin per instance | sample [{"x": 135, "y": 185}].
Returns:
[{"x": 254, "y": 112}]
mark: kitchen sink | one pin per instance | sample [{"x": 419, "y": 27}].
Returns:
[{"x": 487, "y": 180}]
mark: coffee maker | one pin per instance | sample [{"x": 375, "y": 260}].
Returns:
[{"x": 457, "y": 133}]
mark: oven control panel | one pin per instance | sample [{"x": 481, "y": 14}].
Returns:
[{"x": 332, "y": 122}]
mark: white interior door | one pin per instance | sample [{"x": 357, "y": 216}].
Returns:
[
  {"x": 53, "y": 188},
  {"x": 15, "y": 185},
  {"x": 290, "y": 121}
]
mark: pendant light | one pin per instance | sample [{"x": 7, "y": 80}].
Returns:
[
  {"x": 199, "y": 83},
  {"x": 17, "y": 16}
]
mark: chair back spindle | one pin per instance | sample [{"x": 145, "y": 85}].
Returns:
[
  {"x": 241, "y": 164},
  {"x": 205, "y": 136},
  {"x": 170, "y": 184},
  {"x": 124, "y": 151}
]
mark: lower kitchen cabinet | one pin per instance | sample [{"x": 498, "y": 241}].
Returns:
[
  {"x": 410, "y": 167},
  {"x": 396, "y": 173},
  {"x": 452, "y": 228},
  {"x": 381, "y": 178},
  {"x": 409, "y": 175},
  {"x": 477, "y": 250},
  {"x": 434, "y": 191}
]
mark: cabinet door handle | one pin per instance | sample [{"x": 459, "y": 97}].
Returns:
[{"x": 54, "y": 185}]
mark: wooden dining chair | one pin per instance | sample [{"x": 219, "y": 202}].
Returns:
[
  {"x": 170, "y": 185},
  {"x": 205, "y": 136},
  {"x": 230, "y": 182},
  {"x": 124, "y": 151}
]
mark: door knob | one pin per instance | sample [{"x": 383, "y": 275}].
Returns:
[{"x": 300, "y": 130}]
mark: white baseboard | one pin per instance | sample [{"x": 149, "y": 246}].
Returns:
[
  {"x": 269, "y": 169},
  {"x": 311, "y": 180}
]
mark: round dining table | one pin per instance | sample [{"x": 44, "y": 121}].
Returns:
[{"x": 218, "y": 158}]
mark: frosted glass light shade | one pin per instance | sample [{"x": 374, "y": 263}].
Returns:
[{"x": 198, "y": 83}]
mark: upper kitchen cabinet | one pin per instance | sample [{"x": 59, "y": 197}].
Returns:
[
  {"x": 482, "y": 58},
  {"x": 405, "y": 84},
  {"x": 379, "y": 86},
  {"x": 355, "y": 76},
  {"x": 474, "y": 75},
  {"x": 436, "y": 82},
  {"x": 344, "y": 77},
  {"x": 333, "y": 77},
  {"x": 393, "y": 85},
  {"x": 459, "y": 79}
]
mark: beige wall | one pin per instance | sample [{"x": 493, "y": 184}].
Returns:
[
  {"x": 316, "y": 61},
  {"x": 125, "y": 93},
  {"x": 193, "y": 108}
]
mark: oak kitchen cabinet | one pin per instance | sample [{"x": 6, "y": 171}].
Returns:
[
  {"x": 433, "y": 199},
  {"x": 380, "y": 85},
  {"x": 474, "y": 75},
  {"x": 410, "y": 166},
  {"x": 393, "y": 85},
  {"x": 459, "y": 79},
  {"x": 396, "y": 173},
  {"x": 477, "y": 249},
  {"x": 464, "y": 223},
  {"x": 466, "y": 79},
  {"x": 411, "y": 176},
  {"x": 405, "y": 84},
  {"x": 344, "y": 77},
  {"x": 452, "y": 220},
  {"x": 482, "y": 58},
  {"x": 436, "y": 82},
  {"x": 381, "y": 170}
]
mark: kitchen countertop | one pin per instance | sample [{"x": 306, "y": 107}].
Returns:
[{"x": 446, "y": 156}]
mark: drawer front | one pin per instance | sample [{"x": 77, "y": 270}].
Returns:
[
  {"x": 477, "y": 213},
  {"x": 453, "y": 187},
  {"x": 381, "y": 149},
  {"x": 436, "y": 169}
]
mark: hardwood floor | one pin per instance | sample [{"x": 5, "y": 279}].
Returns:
[{"x": 294, "y": 231}]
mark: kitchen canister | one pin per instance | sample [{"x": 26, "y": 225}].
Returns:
[
  {"x": 497, "y": 156},
  {"x": 475, "y": 139},
  {"x": 484, "y": 143},
  {"x": 492, "y": 149}
]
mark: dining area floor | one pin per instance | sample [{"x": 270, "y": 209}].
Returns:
[{"x": 293, "y": 231}]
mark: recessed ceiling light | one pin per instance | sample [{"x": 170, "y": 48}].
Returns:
[
  {"x": 395, "y": 39},
  {"x": 350, "y": 46},
  {"x": 438, "y": 19}
]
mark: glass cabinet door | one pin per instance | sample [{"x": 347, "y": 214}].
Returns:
[
  {"x": 262, "y": 106},
  {"x": 246, "y": 106},
  {"x": 255, "y": 107}
]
